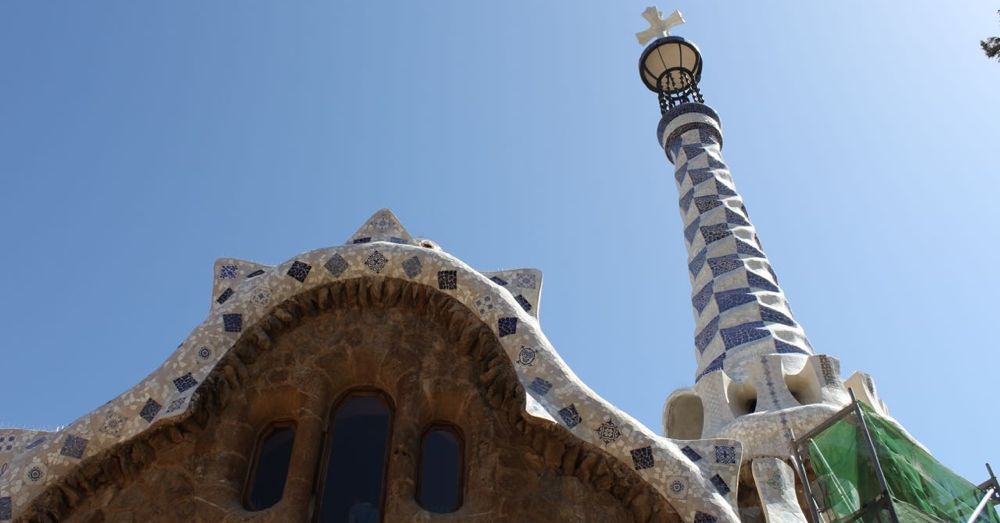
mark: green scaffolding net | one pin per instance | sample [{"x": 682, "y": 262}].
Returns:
[{"x": 846, "y": 487}]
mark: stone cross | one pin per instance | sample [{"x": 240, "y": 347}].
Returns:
[{"x": 657, "y": 25}]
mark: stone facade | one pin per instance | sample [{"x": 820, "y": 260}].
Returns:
[
  {"x": 47, "y": 475},
  {"x": 436, "y": 362}
]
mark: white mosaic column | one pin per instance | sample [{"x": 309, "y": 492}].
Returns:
[{"x": 740, "y": 311}]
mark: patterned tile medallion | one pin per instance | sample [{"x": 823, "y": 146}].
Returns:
[
  {"x": 299, "y": 271},
  {"x": 150, "y": 410},
  {"x": 74, "y": 446},
  {"x": 642, "y": 458}
]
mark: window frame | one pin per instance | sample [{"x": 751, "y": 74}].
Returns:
[
  {"x": 322, "y": 466},
  {"x": 418, "y": 477},
  {"x": 251, "y": 475}
]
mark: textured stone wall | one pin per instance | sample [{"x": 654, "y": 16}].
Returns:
[{"x": 435, "y": 361}]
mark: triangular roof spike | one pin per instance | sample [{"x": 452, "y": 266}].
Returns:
[
  {"x": 228, "y": 273},
  {"x": 525, "y": 285},
  {"x": 383, "y": 226}
]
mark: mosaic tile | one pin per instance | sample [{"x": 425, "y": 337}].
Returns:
[
  {"x": 677, "y": 486},
  {"x": 526, "y": 356},
  {"x": 74, "y": 446},
  {"x": 376, "y": 262},
  {"x": 699, "y": 176},
  {"x": 724, "y": 264},
  {"x": 499, "y": 281},
  {"x": 525, "y": 280},
  {"x": 725, "y": 454},
  {"x": 758, "y": 282},
  {"x": 523, "y": 302},
  {"x": 714, "y": 233},
  {"x": 680, "y": 173},
  {"x": 113, "y": 424},
  {"x": 733, "y": 298},
  {"x": 691, "y": 230},
  {"x": 412, "y": 266},
  {"x": 720, "y": 485},
  {"x": 771, "y": 315},
  {"x": 447, "y": 280},
  {"x": 723, "y": 189},
  {"x": 204, "y": 353},
  {"x": 299, "y": 271},
  {"x": 336, "y": 265},
  {"x": 382, "y": 222},
  {"x": 701, "y": 517},
  {"x": 185, "y": 382},
  {"x": 690, "y": 453},
  {"x": 34, "y": 474},
  {"x": 700, "y": 300},
  {"x": 826, "y": 368},
  {"x": 697, "y": 262},
  {"x": 540, "y": 386},
  {"x": 608, "y": 431},
  {"x": 704, "y": 337},
  {"x": 228, "y": 272},
  {"x": 786, "y": 348},
  {"x": 232, "y": 322},
  {"x": 359, "y": 241},
  {"x": 570, "y": 416},
  {"x": 6, "y": 509},
  {"x": 38, "y": 441},
  {"x": 685, "y": 200},
  {"x": 746, "y": 249},
  {"x": 150, "y": 410},
  {"x": 507, "y": 326},
  {"x": 692, "y": 151},
  {"x": 642, "y": 458},
  {"x": 260, "y": 296},
  {"x": 673, "y": 150},
  {"x": 715, "y": 365},
  {"x": 484, "y": 304},
  {"x": 735, "y": 219},
  {"x": 743, "y": 333},
  {"x": 226, "y": 294},
  {"x": 706, "y": 203},
  {"x": 255, "y": 273}
]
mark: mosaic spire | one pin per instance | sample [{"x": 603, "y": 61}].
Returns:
[{"x": 740, "y": 310}]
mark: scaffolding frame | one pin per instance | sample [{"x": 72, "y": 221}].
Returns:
[{"x": 881, "y": 508}]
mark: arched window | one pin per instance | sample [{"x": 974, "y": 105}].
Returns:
[
  {"x": 269, "y": 468},
  {"x": 353, "y": 481},
  {"x": 441, "y": 464}
]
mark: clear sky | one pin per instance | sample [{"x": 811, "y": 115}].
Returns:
[{"x": 139, "y": 141}]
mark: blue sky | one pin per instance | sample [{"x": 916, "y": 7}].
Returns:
[{"x": 139, "y": 141}]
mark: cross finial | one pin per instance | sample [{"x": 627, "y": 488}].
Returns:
[{"x": 657, "y": 25}]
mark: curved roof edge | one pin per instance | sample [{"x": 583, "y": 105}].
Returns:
[{"x": 685, "y": 472}]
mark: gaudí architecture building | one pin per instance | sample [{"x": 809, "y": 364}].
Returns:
[{"x": 386, "y": 380}]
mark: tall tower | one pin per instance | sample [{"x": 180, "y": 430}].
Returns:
[{"x": 758, "y": 379}]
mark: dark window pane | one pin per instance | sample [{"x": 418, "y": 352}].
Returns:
[
  {"x": 352, "y": 491},
  {"x": 440, "y": 487},
  {"x": 274, "y": 452}
]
